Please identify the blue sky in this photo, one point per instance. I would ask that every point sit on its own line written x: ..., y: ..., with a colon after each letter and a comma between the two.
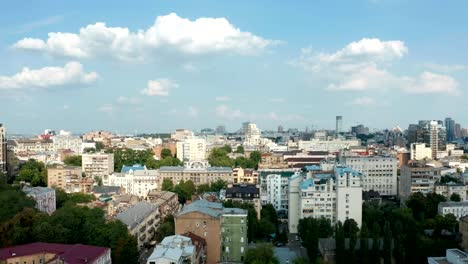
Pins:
x: 161, y: 65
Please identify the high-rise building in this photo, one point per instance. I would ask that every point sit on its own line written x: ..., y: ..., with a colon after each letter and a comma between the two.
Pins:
x: 280, y: 129
x: 252, y: 134
x: 221, y: 130
x: 450, y: 127
x: 3, y: 149
x: 339, y: 124
x: 432, y: 132
x: 191, y: 149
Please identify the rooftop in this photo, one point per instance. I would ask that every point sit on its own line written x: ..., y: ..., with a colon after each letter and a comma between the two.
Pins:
x: 126, y: 169
x: 72, y: 254
x: 453, y: 204
x: 36, y: 190
x: 306, y: 184
x: 203, y: 206
x: 243, y: 188
x: 343, y: 170
x: 136, y: 214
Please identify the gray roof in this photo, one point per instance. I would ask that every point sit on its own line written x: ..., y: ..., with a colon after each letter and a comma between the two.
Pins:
x: 36, y: 190
x: 203, y: 206
x: 182, y: 169
x: 106, y: 189
x: 136, y: 214
x: 234, y: 211
x: 453, y: 204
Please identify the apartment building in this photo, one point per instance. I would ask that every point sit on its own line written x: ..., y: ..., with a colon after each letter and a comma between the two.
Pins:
x: 458, y: 209
x: 3, y: 149
x: 241, y: 175
x: 198, y: 172
x: 68, y: 178
x: 335, y: 195
x: 274, y: 187
x: 379, y: 173
x: 69, y: 142
x: 21, y: 146
x: 167, y: 202
x: 98, y: 164
x: 272, y: 161
x: 55, y: 253
x: 136, y: 179
x: 225, y: 229
x: 417, y: 177
x: 244, y: 193
x: 176, y: 249
x: 191, y: 149
x: 142, y: 219
x: 44, y: 197
x: 331, y: 146
x: 449, y: 188
x: 419, y: 151
x: 463, y: 229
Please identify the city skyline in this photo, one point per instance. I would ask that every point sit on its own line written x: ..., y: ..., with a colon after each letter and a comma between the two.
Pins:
x: 379, y: 63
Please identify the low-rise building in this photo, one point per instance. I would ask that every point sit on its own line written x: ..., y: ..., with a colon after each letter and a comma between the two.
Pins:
x: 68, y: 178
x: 142, y: 219
x: 176, y: 249
x: 245, y: 193
x: 458, y: 209
x: 167, y: 202
x: 225, y: 229
x: 44, y: 197
x: 245, y: 175
x: 452, y: 256
x: 136, y: 179
x: 417, y: 177
x: 72, y: 143
x: 55, y: 253
x: 449, y: 188
x: 198, y: 172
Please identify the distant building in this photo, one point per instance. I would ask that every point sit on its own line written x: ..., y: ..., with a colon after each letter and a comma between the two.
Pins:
x: 98, y: 164
x: 463, y: 229
x: 449, y: 188
x: 142, y: 219
x: 68, y: 178
x: 452, y: 256
x: 458, y: 209
x: 331, y: 146
x: 3, y: 149
x: 136, y: 179
x: 225, y: 229
x: 419, y: 151
x: 198, y: 172
x: 176, y: 249
x: 274, y: 187
x: 245, y: 193
x: 245, y: 175
x: 55, y: 253
x: 252, y: 134
x: 417, y: 177
x: 72, y: 143
x: 360, y: 130
x: 181, y: 134
x: 44, y: 197
x: 221, y: 130
x: 339, y: 124
x: 191, y: 149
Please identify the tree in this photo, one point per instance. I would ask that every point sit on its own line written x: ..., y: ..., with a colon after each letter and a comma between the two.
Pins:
x: 240, y: 149
x: 364, y: 236
x: 99, y: 145
x: 387, y: 243
x: 33, y: 172
x: 375, y: 256
x: 399, y: 250
x: 203, y: 188
x: 12, y: 201
x: 350, y: 226
x: 74, y: 160
x: 167, y: 228
x: 256, y: 156
x: 218, y: 185
x: 227, y: 148
x: 165, y: 152
x: 340, y: 243
x: 167, y: 185
x: 350, y: 230
x: 455, y: 197
x: 261, y: 254
x: 219, y: 158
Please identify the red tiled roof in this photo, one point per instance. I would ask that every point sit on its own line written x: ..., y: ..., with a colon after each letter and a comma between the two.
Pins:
x: 72, y: 254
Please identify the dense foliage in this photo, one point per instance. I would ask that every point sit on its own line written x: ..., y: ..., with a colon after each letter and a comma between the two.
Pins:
x: 129, y: 157
x: 33, y: 172
x: 70, y: 224
x: 74, y: 160
x: 261, y: 254
x: 310, y: 230
x: 219, y: 157
x: 167, y: 228
x: 12, y: 201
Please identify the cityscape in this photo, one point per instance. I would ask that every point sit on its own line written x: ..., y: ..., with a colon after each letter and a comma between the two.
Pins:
x: 208, y: 132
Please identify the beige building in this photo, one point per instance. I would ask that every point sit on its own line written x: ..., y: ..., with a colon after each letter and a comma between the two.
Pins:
x: 98, y: 164
x: 34, y: 145
x: 198, y: 172
x: 69, y: 179
x: 272, y: 161
x: 241, y: 175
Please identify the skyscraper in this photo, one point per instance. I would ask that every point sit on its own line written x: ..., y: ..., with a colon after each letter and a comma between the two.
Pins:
x: 339, y: 124
x: 3, y: 149
x: 450, y: 127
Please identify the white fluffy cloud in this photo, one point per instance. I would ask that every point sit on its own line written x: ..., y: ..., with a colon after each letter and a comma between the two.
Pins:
x: 364, y: 101
x: 71, y: 74
x: 159, y: 87
x: 203, y: 35
x: 364, y: 65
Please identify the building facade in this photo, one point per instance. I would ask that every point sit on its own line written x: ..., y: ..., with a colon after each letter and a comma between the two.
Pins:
x: 458, y: 209
x: 176, y: 249
x: 419, y: 151
x: 245, y: 175
x: 191, y: 149
x: 68, y: 178
x: 198, y: 172
x: 379, y: 173
x: 69, y: 142
x: 98, y: 164
x: 417, y: 177
x: 44, y: 197
x: 233, y: 235
x: 136, y: 179
x: 3, y: 149
x: 245, y: 193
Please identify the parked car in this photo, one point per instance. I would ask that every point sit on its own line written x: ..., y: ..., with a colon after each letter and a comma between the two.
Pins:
x: 279, y: 244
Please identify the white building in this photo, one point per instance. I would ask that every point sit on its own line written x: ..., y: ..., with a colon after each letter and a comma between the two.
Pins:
x: 98, y: 164
x: 252, y: 134
x: 175, y: 249
x: 447, y: 189
x: 274, y: 187
x: 334, y: 145
x: 44, y: 197
x: 458, y: 209
x: 3, y: 149
x: 191, y: 149
x: 136, y: 180
x: 181, y: 134
x: 273, y: 191
x: 452, y: 256
x: 66, y: 141
x: 419, y: 151
x: 379, y: 173
x: 335, y: 195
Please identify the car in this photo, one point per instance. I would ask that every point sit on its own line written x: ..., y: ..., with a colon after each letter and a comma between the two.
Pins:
x: 279, y: 244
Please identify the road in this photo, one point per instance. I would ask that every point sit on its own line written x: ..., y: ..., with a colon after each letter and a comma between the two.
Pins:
x: 291, y: 251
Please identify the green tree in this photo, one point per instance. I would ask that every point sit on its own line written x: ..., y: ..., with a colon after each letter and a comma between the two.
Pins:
x: 387, y: 243
x: 399, y: 250
x: 167, y: 185
x: 218, y: 185
x: 240, y: 149
x: 165, y: 152
x: 364, y: 236
x: 256, y: 156
x: 340, y: 243
x: 455, y: 197
x: 99, y: 146
x: 350, y: 230
x: 227, y: 148
x: 375, y: 256
x: 219, y: 157
x: 167, y: 228
x: 74, y: 160
x: 261, y: 254
x: 12, y: 201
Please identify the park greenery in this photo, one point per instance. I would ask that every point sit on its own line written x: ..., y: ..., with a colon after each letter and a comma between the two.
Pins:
x: 219, y: 157
x: 33, y: 172
x: 167, y: 228
x: 388, y: 234
x: 186, y: 189
x: 74, y: 160
x: 21, y: 223
x: 129, y: 157
x: 261, y: 254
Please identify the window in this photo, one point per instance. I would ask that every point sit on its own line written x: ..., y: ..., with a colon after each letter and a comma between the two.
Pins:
x: 205, y: 234
x: 227, y: 249
x: 242, y: 249
x: 242, y: 240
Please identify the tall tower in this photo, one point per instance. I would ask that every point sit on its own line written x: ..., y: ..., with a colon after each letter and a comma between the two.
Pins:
x: 339, y: 124
x: 3, y: 149
x: 434, y: 138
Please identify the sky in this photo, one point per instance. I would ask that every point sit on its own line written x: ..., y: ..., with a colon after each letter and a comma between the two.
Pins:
x: 154, y: 66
